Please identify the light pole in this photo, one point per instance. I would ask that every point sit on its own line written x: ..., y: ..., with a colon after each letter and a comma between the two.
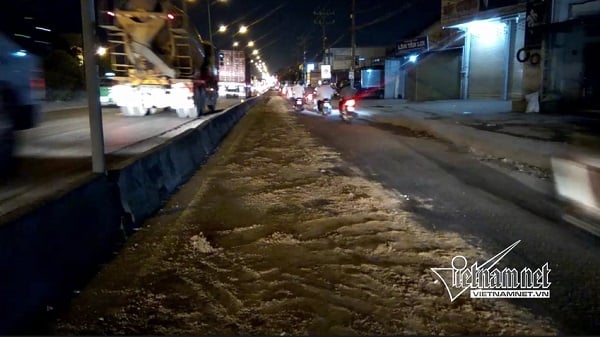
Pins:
x: 92, y: 83
x: 353, y: 17
x: 185, y: 12
x: 209, y: 22
x: 221, y: 28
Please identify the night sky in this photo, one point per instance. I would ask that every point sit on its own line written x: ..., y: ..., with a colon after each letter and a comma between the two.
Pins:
x: 274, y: 25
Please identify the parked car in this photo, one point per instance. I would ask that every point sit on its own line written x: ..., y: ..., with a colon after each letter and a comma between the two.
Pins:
x: 21, y: 87
x: 373, y: 92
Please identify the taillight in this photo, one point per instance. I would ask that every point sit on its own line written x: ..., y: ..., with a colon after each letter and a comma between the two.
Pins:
x: 37, y: 84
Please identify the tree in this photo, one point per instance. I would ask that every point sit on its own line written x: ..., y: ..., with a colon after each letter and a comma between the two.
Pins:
x: 64, y: 76
x: 291, y: 74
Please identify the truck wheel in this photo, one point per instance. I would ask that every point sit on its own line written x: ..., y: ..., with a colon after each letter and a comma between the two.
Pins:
x: 212, y: 103
x: 200, y: 102
x: 7, y: 135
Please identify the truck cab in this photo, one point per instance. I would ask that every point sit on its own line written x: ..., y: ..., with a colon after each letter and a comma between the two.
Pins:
x: 21, y: 88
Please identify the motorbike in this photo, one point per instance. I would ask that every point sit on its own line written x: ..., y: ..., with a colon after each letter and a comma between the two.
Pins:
x: 298, y: 104
x: 348, y: 110
x: 309, y: 99
x: 325, y: 108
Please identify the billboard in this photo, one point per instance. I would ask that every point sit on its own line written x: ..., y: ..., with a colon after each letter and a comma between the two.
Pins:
x: 325, y: 71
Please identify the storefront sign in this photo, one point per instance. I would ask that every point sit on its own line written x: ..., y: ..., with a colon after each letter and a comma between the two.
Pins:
x: 419, y: 44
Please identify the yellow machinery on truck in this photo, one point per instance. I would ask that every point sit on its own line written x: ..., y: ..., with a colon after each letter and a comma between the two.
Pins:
x: 159, y: 59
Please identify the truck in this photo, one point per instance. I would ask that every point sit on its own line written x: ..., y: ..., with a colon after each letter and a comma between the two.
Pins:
x: 159, y: 60
x: 234, y: 76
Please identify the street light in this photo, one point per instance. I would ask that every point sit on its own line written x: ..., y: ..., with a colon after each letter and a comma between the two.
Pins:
x: 101, y: 51
x: 222, y: 29
x: 210, y: 34
x: 243, y: 29
x: 251, y: 44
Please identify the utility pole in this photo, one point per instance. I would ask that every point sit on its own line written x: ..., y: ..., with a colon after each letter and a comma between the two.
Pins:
x: 353, y: 42
x: 210, y: 34
x: 302, y: 41
x: 185, y: 13
x: 322, y: 19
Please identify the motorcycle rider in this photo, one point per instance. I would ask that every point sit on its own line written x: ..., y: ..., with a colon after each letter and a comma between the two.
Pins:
x: 324, y: 91
x: 346, y: 92
x: 298, y: 90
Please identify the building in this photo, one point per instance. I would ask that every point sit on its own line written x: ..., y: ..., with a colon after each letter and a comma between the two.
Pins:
x: 427, y: 67
x: 340, y: 60
x: 470, y: 54
x: 504, y: 49
x: 494, y: 33
x: 571, y: 72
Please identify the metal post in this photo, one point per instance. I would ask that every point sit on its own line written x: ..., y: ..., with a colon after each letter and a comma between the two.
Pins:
x: 93, y: 84
x: 185, y: 13
x: 465, y: 67
x: 507, y: 59
x: 353, y: 42
x: 210, y: 34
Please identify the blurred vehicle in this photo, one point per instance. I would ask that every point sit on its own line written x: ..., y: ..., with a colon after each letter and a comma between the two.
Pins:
x: 161, y: 59
x: 21, y: 87
x: 577, y: 185
x: 106, y: 87
x: 371, y: 83
x: 348, y: 110
x: 325, y: 107
x: 309, y: 95
x: 287, y: 90
x: 298, y: 104
x: 233, y: 74
x: 347, y: 103
x: 232, y: 90
x: 374, y: 92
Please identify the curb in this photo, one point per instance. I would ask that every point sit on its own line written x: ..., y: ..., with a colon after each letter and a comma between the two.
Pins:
x: 531, y: 152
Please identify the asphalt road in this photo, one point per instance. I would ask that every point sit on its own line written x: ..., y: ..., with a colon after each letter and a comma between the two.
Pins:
x: 277, y: 235
x: 54, y: 156
x: 450, y: 190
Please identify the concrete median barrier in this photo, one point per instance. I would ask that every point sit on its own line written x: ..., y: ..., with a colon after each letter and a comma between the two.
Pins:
x: 55, y: 249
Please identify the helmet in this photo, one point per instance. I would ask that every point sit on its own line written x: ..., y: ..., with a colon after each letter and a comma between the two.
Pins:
x: 325, y: 81
x: 344, y: 83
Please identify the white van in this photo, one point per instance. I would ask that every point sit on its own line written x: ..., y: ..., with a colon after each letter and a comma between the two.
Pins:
x: 21, y: 88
